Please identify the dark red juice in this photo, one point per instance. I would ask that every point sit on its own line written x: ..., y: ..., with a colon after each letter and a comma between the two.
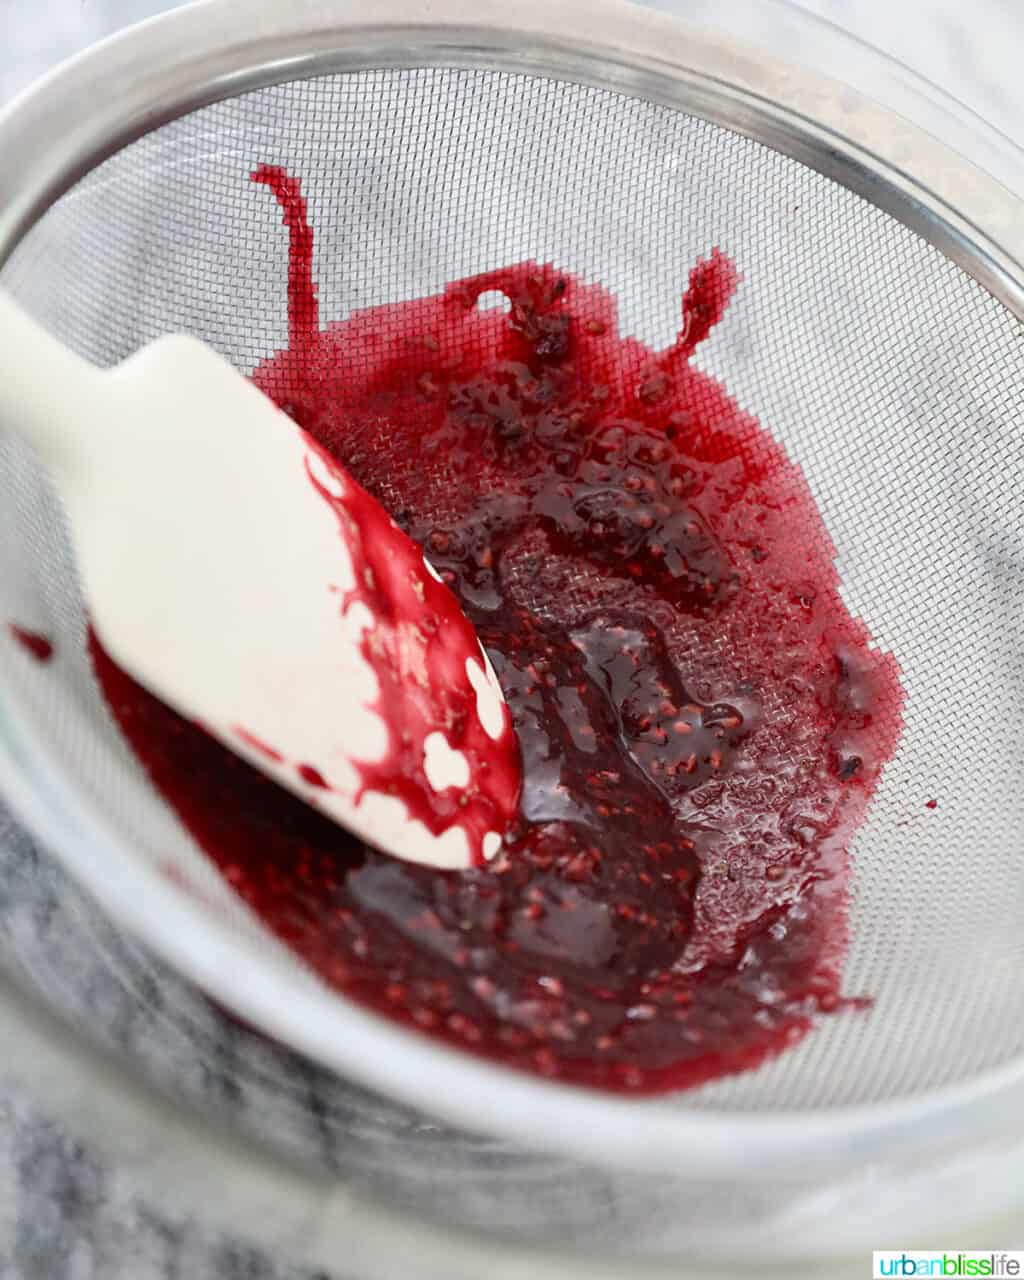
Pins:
x: 34, y: 643
x: 701, y: 721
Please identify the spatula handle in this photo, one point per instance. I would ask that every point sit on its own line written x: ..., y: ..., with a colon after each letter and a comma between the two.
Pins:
x: 48, y: 394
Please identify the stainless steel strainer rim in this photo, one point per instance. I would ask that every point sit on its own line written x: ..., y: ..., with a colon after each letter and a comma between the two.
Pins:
x: 196, y: 56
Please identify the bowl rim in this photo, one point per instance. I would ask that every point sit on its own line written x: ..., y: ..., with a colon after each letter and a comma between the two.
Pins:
x: 96, y: 103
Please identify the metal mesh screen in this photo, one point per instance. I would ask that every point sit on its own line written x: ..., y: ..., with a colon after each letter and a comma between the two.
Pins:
x: 890, y: 375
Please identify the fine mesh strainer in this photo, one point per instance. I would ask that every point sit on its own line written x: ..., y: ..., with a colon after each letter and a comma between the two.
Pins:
x: 876, y: 334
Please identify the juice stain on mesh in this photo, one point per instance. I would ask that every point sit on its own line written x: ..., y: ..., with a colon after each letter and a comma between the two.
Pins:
x: 701, y: 720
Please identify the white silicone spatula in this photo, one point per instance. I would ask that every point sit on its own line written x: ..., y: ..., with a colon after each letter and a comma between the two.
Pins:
x: 240, y: 574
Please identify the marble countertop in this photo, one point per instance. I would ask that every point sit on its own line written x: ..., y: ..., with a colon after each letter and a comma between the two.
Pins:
x: 65, y: 1212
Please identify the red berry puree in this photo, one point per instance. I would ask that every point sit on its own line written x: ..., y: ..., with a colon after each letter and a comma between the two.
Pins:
x: 418, y: 627
x: 35, y: 644
x: 701, y: 721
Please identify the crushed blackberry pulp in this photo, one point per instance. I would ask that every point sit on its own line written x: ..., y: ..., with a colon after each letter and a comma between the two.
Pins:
x: 701, y: 721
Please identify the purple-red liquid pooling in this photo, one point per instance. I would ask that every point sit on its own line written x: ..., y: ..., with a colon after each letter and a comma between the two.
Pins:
x: 701, y: 721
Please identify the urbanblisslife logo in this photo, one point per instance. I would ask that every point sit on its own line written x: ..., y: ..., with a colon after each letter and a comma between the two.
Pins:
x: 947, y: 1262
